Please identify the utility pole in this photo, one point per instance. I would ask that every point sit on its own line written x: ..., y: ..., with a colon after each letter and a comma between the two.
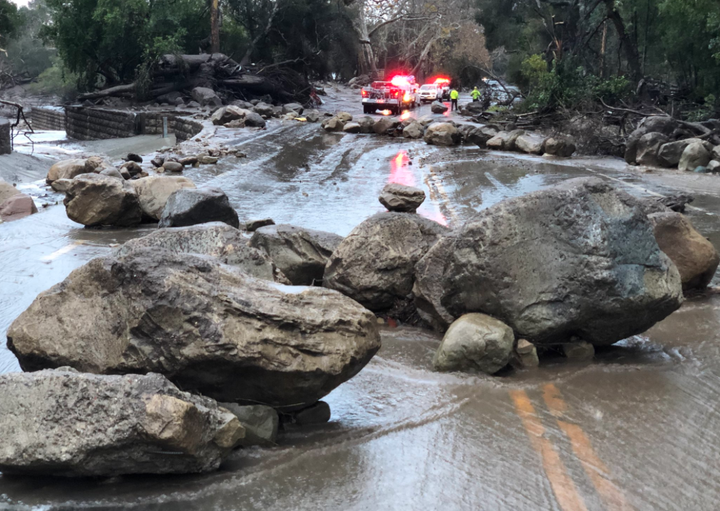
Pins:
x: 214, y: 27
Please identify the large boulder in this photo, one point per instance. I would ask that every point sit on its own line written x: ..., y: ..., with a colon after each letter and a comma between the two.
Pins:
x: 367, y: 124
x: 530, y: 143
x: 498, y: 141
x: 475, y: 342
x: 214, y: 239
x: 375, y: 264
x: 292, y: 107
x: 94, y: 200
x: 67, y: 169
x: 264, y: 109
x: 190, y: 206
x: 669, y: 154
x: 442, y: 134
x: 438, y: 108
x: 154, y: 192
x: 239, y: 117
x: 695, y: 257
x: 575, y: 261
x: 695, y: 155
x: 301, y: 254
x: 401, y: 198
x: 648, y: 148
x: 207, y: 326
x: 206, y: 96
x: 64, y: 423
x: 17, y: 207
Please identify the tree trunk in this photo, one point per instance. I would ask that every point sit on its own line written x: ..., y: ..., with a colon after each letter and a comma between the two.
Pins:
x: 366, y: 59
x: 215, y: 27
x: 628, y: 45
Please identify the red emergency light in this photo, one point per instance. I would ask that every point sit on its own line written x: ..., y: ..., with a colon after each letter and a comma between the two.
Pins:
x: 400, y: 80
x: 441, y: 80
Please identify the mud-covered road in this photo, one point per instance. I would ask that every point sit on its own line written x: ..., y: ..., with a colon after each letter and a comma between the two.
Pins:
x: 637, y: 428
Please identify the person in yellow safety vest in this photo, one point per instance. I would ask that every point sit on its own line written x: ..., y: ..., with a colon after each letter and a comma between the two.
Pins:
x: 475, y: 94
x: 454, y: 95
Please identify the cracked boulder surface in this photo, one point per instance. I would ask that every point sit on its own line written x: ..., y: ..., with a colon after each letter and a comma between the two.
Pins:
x: 207, y: 326
x: 64, y: 423
x: 577, y: 261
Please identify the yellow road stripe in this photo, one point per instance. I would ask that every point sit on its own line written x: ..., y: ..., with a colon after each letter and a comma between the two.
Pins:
x: 594, y: 467
x: 563, y: 487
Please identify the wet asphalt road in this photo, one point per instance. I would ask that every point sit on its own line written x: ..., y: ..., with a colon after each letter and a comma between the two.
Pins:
x: 637, y: 428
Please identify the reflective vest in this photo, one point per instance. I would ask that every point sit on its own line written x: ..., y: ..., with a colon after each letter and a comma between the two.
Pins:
x: 454, y: 94
x: 475, y: 94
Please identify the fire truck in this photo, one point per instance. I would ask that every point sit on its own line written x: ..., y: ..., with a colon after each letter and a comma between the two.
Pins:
x: 400, y: 93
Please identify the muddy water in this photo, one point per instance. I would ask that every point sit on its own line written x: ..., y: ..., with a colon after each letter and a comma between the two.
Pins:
x: 635, y: 429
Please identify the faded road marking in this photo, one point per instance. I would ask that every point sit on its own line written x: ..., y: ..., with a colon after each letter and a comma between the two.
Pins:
x: 67, y: 248
x: 594, y: 467
x: 563, y: 487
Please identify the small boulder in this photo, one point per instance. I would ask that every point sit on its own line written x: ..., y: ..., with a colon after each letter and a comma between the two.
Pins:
x: 438, y: 108
x: 173, y: 166
x: 648, y: 148
x: 442, y: 134
x: 132, y: 167
x: 158, y: 161
x: 695, y: 257
x: 695, y: 155
x: 154, y: 192
x: 189, y: 206
x: 301, y: 254
x: 206, y: 97
x: 94, y: 200
x: 263, y: 109
x: 499, y: 141
x: 525, y: 355
x: 385, y: 125
x: 478, y: 135
x: 62, y: 185
x: 70, y: 424
x: 254, y: 225
x: 7, y: 190
x: 579, y: 350
x: 475, y: 342
x: 113, y: 172
x: 319, y: 413
x: 254, y: 120
x: 530, y: 143
x: 560, y: 146
x: 401, y: 198
x: 713, y: 167
x: 17, y: 207
x: 352, y: 127
x: 333, y: 124
x: 344, y: 116
x: 312, y: 115
x: 292, y: 107
x: 227, y: 114
x: 205, y: 159
x: 134, y: 157
x: 367, y: 124
x: 414, y: 130
x: 67, y: 169
x: 261, y: 423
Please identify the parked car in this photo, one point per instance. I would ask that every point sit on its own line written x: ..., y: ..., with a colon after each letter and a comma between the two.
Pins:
x: 429, y: 93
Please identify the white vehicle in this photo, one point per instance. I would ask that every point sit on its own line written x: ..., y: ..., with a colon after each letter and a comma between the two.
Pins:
x: 429, y: 93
